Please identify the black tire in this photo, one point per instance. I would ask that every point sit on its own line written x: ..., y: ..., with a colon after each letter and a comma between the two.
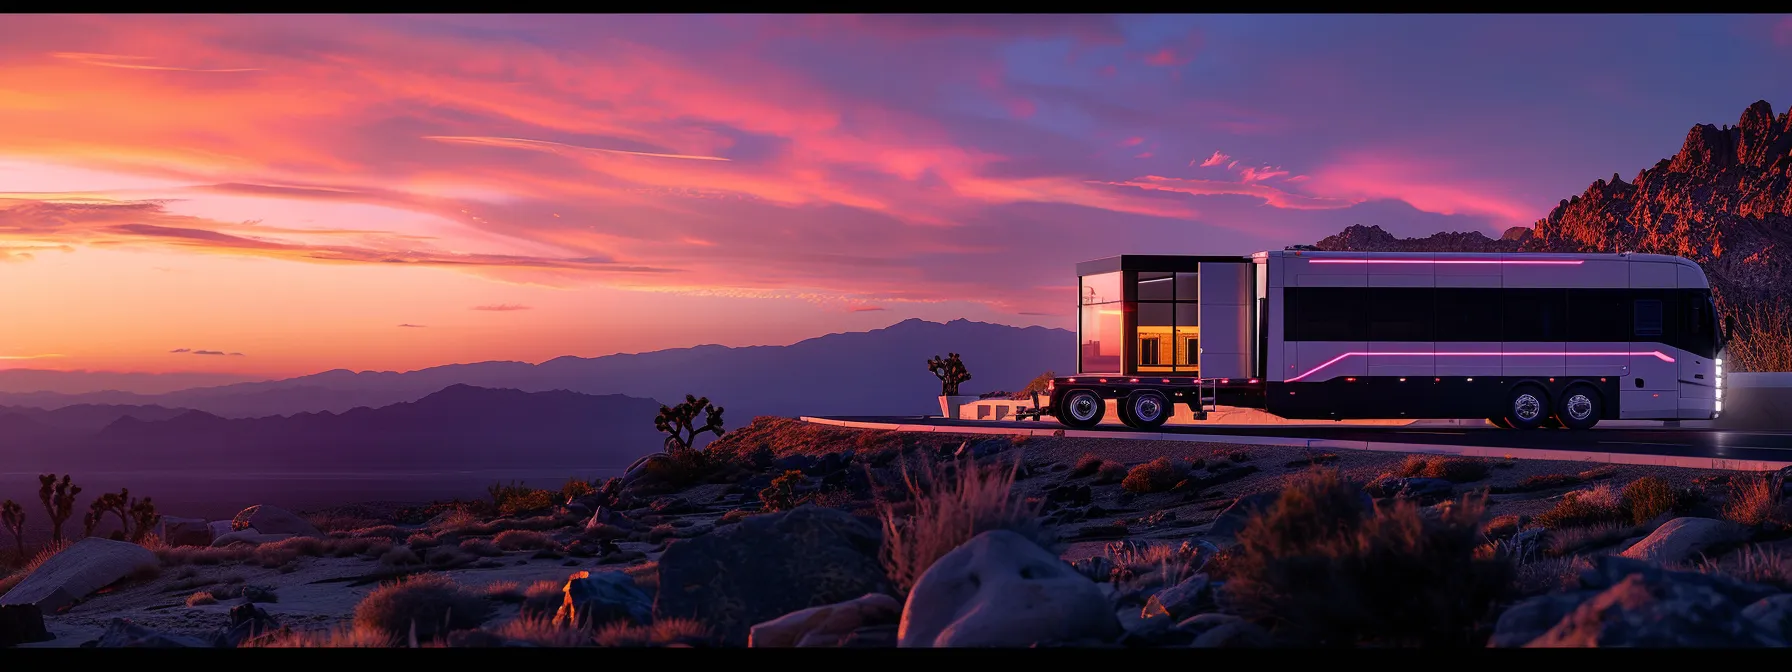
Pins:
x: 1148, y: 409
x: 1579, y: 407
x: 1123, y: 412
x: 1500, y: 422
x: 1080, y: 409
x: 1527, y: 406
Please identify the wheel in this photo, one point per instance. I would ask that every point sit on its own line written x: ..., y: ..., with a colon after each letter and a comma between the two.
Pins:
x: 1579, y: 408
x: 1499, y: 422
x: 1527, y: 407
x: 1149, y: 409
x: 1081, y: 409
x: 1123, y: 411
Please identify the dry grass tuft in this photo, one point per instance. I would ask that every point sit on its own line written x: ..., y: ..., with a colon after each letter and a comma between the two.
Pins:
x: 1550, y: 575
x: 1452, y: 469
x: 422, y: 540
x: 327, y: 523
x: 433, y: 603
x: 1325, y: 568
x: 1763, y: 340
x: 522, y: 540
x: 481, y: 547
x: 400, y: 556
x: 201, y: 598
x: 49, y: 550
x: 1597, y: 505
x: 977, y: 501
x: 660, y: 633
x: 350, y: 637
x: 1159, y: 475
x: 543, y: 597
x: 392, y: 532
x: 541, y: 630
x: 1086, y: 465
x: 1110, y: 472
x: 504, y: 591
x: 646, y: 576
x: 1754, y: 565
x: 1566, y: 541
x: 1752, y: 502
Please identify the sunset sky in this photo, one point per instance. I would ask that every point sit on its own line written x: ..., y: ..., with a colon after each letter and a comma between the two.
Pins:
x: 279, y: 195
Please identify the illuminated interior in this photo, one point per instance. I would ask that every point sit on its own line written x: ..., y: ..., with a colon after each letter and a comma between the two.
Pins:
x: 1167, y: 332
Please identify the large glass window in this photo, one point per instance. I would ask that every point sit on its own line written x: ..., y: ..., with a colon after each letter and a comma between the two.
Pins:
x: 1188, y: 336
x: 1101, y: 288
x: 1101, y: 331
x: 1326, y: 314
x: 1698, y: 323
x: 1532, y: 315
x: 1167, y: 324
x: 1598, y: 315
x: 1400, y: 314
x: 1157, y: 332
x: 1467, y: 314
x: 1157, y: 286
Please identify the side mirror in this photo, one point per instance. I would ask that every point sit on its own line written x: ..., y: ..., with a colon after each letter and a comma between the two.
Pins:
x: 1723, y: 338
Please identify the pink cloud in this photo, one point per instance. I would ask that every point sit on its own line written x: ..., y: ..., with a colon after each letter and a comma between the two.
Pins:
x: 1271, y: 196
x: 1142, y: 155
x: 1297, y: 178
x: 1217, y: 159
x: 1132, y: 142
x: 1428, y: 185
x: 1782, y: 32
x: 1260, y: 174
x: 1167, y: 57
x: 1231, y: 165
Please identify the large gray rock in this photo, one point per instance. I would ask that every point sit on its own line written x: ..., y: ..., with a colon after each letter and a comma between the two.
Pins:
x: 122, y: 633
x: 1658, y: 611
x: 84, y: 567
x: 767, y: 566
x: 1002, y: 590
x: 1683, y: 539
x: 829, y: 625
x: 1180, y: 601
x: 274, y: 520
x: 601, y: 598
x: 184, y: 531
x: 1524, y: 622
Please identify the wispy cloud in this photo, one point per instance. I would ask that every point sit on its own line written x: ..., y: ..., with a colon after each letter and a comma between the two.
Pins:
x: 501, y: 307
x: 1271, y: 196
x: 556, y: 147
x: 412, y: 326
x: 13, y: 357
x: 867, y: 309
x: 136, y: 63
x: 1217, y: 159
x: 191, y: 351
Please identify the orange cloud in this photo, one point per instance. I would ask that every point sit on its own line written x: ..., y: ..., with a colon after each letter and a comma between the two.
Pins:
x: 501, y: 307
x: 134, y: 63
x: 542, y: 145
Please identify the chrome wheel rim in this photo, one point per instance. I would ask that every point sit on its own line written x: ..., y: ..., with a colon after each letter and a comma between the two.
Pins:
x: 1082, y: 407
x: 1580, y: 407
x: 1526, y: 407
x: 1147, y: 409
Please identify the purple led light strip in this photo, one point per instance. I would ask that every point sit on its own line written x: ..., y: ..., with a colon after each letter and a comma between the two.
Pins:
x: 1653, y: 353
x: 1531, y: 262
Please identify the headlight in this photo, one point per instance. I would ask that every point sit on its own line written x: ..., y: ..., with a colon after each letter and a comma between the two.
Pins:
x: 1720, y: 370
x: 1719, y: 408
x: 1720, y: 393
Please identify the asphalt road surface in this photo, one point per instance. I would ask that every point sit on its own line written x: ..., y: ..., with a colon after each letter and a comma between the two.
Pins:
x: 1689, y: 442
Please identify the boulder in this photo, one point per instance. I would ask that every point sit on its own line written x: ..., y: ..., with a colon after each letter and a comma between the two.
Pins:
x: 247, y: 622
x: 1002, y: 590
x: 827, y: 625
x: 597, y: 599
x: 1180, y: 601
x: 274, y: 520
x: 184, y: 531
x: 219, y: 528
x: 22, y: 624
x: 1683, y: 539
x: 1525, y: 621
x: 248, y: 537
x: 1239, y: 634
x: 1233, y: 518
x: 1773, y: 613
x: 1424, y: 491
x: 1609, y: 570
x: 124, y: 634
x: 767, y: 566
x: 84, y: 567
x: 1658, y: 611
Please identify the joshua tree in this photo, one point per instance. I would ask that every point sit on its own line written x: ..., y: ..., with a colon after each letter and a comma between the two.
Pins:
x: 143, y: 518
x: 58, y: 498
x: 680, y: 422
x: 950, y: 371
x: 116, y: 503
x: 13, y: 516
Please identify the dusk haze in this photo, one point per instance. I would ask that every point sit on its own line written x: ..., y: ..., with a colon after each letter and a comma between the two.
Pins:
x: 875, y: 331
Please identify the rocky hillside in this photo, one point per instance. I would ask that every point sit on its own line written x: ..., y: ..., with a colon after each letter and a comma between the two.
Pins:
x: 1724, y: 201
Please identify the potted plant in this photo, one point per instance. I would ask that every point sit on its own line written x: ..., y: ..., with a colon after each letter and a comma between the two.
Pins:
x: 951, y: 373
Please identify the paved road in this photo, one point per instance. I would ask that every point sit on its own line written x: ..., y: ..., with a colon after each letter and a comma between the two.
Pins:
x: 1689, y: 442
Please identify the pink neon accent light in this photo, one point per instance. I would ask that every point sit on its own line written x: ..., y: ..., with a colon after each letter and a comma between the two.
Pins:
x: 1655, y: 353
x: 1530, y: 262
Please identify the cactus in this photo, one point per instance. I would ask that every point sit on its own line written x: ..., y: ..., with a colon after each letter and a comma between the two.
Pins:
x: 143, y: 518
x: 58, y: 498
x: 950, y: 371
x: 13, y: 516
x: 680, y: 422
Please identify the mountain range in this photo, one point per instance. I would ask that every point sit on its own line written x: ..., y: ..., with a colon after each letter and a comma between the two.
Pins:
x: 881, y: 371
x: 459, y: 427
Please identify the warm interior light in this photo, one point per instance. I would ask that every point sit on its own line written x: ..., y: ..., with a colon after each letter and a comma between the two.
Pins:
x: 1402, y: 380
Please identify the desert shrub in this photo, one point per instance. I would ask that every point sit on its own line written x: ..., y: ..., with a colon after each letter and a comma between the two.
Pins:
x: 400, y: 557
x: 661, y: 533
x: 1752, y: 502
x: 1544, y: 482
x: 1763, y: 338
x: 1086, y: 465
x: 1159, y: 475
x: 422, y: 540
x: 333, y: 522
x: 659, y: 633
x: 1566, y: 541
x: 448, y: 557
x: 1110, y: 472
x: 646, y: 575
x: 781, y: 494
x: 522, y: 540
x: 1452, y: 469
x: 1238, y: 456
x: 1139, y: 566
x: 1550, y: 575
x: 392, y: 532
x: 541, y: 630
x: 516, y: 498
x: 682, y: 467
x: 1504, y: 526
x: 1583, y: 508
x: 952, y: 512
x: 576, y: 488
x: 1650, y: 496
x: 1754, y: 564
x: 431, y: 603
x: 201, y: 598
x: 1324, y: 568
x: 481, y: 547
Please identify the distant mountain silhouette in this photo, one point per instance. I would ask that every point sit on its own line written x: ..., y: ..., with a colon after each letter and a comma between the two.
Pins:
x: 82, y: 382
x: 881, y: 371
x: 460, y: 427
